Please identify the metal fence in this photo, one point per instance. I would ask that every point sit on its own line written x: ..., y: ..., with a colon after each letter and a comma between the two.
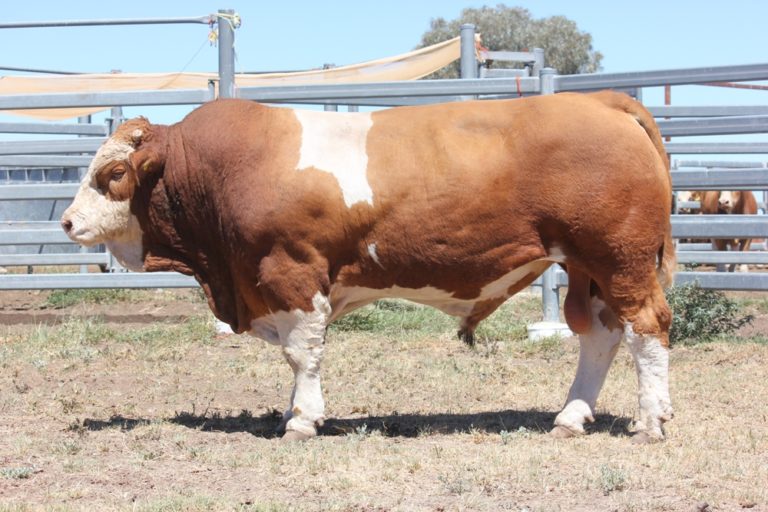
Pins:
x: 673, y: 122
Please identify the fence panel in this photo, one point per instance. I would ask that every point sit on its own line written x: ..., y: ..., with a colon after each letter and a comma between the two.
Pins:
x: 705, y: 121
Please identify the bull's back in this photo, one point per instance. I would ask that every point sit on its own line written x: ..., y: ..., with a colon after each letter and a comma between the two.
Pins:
x: 566, y: 160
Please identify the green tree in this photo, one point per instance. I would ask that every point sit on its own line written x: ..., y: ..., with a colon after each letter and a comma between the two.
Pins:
x: 566, y: 48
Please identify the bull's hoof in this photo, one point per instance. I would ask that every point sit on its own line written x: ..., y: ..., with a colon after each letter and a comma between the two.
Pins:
x: 643, y: 437
x: 292, y: 436
x: 467, y: 336
x: 561, y: 432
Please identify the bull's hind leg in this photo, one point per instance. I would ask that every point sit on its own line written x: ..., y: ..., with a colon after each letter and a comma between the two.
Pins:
x: 651, y: 355
x: 598, y: 347
x: 302, y: 335
x: 646, y: 330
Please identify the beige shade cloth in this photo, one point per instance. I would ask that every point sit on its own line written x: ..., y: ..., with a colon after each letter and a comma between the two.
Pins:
x: 407, y: 66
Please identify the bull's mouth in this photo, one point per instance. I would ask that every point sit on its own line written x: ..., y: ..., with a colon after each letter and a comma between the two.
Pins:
x: 80, y: 235
x: 84, y: 237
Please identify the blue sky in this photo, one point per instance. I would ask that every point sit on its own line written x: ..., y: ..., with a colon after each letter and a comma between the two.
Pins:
x: 633, y: 36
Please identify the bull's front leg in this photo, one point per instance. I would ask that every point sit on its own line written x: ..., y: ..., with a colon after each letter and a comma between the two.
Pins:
x: 302, y: 336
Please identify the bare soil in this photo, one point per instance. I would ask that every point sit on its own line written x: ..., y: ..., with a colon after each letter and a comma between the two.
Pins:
x: 418, y: 422
x: 30, y: 307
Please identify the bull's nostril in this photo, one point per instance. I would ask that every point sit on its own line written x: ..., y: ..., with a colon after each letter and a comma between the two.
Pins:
x: 66, y: 225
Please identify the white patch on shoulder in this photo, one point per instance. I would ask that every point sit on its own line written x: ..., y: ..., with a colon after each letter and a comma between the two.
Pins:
x: 336, y: 143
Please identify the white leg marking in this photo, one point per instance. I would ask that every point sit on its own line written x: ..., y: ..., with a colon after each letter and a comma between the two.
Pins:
x: 302, y: 335
x: 597, y: 350
x: 336, y: 143
x: 652, y: 365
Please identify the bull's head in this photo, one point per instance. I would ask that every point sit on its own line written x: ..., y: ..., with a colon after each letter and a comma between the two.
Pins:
x: 727, y: 201
x: 101, y: 210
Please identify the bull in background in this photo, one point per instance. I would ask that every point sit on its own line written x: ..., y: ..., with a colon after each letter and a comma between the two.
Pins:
x: 729, y: 203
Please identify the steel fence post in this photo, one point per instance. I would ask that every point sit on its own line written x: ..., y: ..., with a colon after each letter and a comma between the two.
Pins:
x: 116, y: 119
x: 81, y: 171
x: 226, y: 41
x: 550, y: 296
x: 538, y: 64
x: 468, y: 53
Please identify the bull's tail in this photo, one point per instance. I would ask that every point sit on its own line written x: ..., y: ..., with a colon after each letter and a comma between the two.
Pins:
x: 665, y: 271
x: 667, y: 258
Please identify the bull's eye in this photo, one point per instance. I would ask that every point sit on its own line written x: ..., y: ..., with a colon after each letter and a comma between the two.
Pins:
x: 114, y: 180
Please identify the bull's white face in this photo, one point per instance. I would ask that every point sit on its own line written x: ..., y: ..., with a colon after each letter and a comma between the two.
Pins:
x: 728, y: 200
x: 100, y: 213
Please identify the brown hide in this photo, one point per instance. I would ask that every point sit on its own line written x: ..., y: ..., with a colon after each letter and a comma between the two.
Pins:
x: 463, y: 193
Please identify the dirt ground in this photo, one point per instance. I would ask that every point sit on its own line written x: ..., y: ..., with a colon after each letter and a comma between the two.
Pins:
x: 140, y: 406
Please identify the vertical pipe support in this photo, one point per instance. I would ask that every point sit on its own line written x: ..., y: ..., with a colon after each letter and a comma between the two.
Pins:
x: 550, y: 295
x: 226, y: 25
x: 81, y: 171
x: 468, y: 67
x: 115, y: 119
x: 538, y: 63
x: 469, y: 64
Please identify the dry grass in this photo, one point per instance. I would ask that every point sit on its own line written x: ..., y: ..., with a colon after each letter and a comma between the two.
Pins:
x: 166, y: 417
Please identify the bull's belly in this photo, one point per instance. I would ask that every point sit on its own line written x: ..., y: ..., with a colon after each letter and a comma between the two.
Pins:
x: 345, y: 299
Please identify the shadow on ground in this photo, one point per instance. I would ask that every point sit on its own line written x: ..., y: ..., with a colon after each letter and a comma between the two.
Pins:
x: 396, y: 425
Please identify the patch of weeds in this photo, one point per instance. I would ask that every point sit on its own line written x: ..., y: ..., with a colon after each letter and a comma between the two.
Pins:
x: 18, y: 473
x: 700, y: 315
x: 68, y: 447
x: 612, y: 479
x: 169, y: 341
x: 394, y: 315
x: 149, y: 432
x: 69, y: 405
x: 425, y: 430
x: 509, y: 322
x: 552, y: 347
x: 65, y: 298
x: 262, y: 507
x: 455, y: 484
x: 759, y: 305
x: 360, y: 433
x: 507, y: 436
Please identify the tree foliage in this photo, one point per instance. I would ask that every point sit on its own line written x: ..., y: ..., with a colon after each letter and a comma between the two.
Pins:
x: 566, y: 48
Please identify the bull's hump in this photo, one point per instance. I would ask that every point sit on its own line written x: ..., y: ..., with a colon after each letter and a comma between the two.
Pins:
x: 336, y: 144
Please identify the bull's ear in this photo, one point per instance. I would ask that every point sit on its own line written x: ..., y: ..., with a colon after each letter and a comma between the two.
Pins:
x: 149, y: 156
x: 146, y: 160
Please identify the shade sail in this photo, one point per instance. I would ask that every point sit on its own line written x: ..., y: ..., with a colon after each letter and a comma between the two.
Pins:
x: 407, y: 66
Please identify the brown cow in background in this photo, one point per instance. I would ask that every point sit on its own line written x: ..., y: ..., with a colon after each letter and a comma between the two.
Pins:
x: 738, y: 203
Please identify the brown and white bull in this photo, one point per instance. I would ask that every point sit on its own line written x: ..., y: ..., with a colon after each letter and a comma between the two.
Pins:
x: 715, y: 202
x: 289, y: 219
